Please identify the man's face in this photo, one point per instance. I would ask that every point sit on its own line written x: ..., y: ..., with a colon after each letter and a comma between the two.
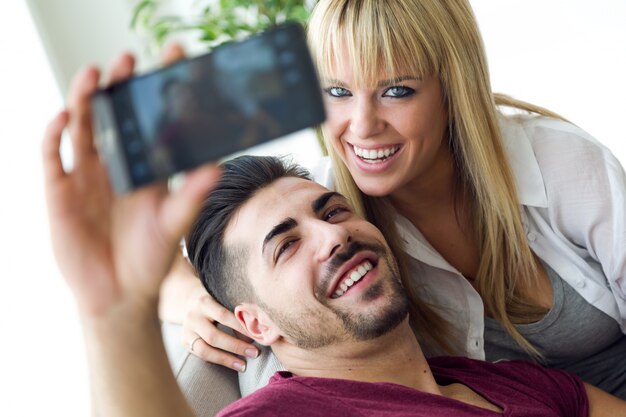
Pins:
x: 321, y: 273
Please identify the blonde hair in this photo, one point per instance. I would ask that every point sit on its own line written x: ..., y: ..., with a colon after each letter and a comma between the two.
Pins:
x: 441, y: 38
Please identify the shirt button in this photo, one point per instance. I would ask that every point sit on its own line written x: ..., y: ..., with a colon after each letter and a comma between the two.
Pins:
x: 581, y: 283
x: 531, y: 236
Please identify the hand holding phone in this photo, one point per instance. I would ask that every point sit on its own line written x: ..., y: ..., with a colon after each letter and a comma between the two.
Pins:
x: 205, y: 108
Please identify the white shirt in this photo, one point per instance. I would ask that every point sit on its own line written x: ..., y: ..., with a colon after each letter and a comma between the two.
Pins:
x: 572, y: 192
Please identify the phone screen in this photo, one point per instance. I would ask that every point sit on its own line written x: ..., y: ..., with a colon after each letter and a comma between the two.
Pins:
x: 208, y: 107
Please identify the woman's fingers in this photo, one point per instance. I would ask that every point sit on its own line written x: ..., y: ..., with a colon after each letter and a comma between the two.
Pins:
x: 214, y: 311
x: 84, y: 84
x: 202, y: 321
x: 216, y: 346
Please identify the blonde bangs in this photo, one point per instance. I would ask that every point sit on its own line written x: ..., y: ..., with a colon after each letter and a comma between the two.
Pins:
x: 369, y: 37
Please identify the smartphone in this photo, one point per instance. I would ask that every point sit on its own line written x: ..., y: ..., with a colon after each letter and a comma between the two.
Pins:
x: 203, y: 109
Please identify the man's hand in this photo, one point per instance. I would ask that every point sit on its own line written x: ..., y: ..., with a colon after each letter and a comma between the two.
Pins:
x: 111, y: 249
x: 114, y: 252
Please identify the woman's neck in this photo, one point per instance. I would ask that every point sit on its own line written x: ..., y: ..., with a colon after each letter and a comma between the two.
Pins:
x: 431, y: 192
x: 438, y: 206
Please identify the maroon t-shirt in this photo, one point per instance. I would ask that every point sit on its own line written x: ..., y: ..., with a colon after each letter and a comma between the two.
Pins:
x: 518, y: 388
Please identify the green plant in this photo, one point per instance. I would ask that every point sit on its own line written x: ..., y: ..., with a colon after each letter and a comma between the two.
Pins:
x: 215, y: 21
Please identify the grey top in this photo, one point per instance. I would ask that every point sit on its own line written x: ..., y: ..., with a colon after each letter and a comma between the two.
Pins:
x: 584, y: 340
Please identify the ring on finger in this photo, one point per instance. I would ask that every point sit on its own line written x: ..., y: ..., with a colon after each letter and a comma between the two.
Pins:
x: 192, y: 343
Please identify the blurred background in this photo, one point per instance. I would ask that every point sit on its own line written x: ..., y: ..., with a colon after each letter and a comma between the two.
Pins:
x: 566, y: 55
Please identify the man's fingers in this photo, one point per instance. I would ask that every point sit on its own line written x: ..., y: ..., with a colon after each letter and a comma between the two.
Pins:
x: 121, y: 69
x: 83, y: 86
x: 172, y: 53
x: 181, y: 207
x: 51, y: 159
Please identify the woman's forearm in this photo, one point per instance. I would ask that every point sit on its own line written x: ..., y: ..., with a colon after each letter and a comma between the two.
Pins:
x: 179, y: 286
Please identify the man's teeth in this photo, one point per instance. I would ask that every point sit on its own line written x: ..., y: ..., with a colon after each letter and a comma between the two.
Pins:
x: 375, y: 155
x: 353, y: 277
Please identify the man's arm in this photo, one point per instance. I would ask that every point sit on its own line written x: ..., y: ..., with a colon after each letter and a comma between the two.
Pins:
x: 114, y: 251
x: 602, y: 404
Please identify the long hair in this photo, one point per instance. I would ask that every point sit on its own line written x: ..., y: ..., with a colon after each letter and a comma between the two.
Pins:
x: 440, y: 38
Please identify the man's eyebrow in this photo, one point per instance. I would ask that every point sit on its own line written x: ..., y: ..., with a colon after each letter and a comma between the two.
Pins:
x: 282, y: 227
x: 321, y: 201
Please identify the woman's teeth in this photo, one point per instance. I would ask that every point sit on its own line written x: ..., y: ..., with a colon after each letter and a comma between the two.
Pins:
x: 354, y: 276
x: 375, y: 155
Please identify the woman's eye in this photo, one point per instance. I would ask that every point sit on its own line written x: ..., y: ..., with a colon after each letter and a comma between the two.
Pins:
x: 398, y: 92
x: 337, y: 92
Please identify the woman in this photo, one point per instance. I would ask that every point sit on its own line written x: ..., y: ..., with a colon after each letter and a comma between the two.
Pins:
x: 416, y: 135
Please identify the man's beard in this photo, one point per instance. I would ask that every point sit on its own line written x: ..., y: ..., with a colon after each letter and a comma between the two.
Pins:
x: 307, y: 330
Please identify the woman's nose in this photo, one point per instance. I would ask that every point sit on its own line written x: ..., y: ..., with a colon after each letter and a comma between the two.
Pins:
x: 365, y: 119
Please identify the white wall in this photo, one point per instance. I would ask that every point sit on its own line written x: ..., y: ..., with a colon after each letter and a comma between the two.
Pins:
x: 42, y: 369
x: 79, y: 32
x: 569, y: 55
x: 566, y: 55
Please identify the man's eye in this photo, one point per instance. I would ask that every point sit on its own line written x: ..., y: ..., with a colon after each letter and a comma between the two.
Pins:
x: 334, y: 212
x: 398, y: 92
x: 337, y: 92
x: 283, y: 247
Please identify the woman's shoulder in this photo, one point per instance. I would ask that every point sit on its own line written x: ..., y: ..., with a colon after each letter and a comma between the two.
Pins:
x: 542, y: 129
x: 562, y: 150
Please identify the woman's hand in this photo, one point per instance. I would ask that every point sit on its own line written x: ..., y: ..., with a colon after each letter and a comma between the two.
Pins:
x: 206, y: 340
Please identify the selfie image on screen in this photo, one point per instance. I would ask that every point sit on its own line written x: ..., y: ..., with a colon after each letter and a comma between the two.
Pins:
x: 207, y: 108
x: 188, y: 113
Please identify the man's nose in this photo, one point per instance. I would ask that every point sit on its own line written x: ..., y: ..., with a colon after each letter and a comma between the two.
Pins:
x: 330, y: 239
x: 366, y: 121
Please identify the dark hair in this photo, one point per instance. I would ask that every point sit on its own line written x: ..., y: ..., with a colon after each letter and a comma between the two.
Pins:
x: 221, y: 269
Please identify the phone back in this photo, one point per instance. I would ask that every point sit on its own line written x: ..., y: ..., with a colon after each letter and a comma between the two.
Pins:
x: 205, y: 108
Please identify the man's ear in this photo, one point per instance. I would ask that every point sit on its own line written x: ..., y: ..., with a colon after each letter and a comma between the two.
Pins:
x: 257, y: 324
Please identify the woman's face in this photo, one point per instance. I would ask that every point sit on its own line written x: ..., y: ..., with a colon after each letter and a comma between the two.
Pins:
x: 389, y: 135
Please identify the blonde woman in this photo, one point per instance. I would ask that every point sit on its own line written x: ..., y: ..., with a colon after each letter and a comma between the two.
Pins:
x: 514, y: 226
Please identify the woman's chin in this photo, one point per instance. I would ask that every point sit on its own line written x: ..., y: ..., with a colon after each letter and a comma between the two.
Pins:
x: 374, y: 187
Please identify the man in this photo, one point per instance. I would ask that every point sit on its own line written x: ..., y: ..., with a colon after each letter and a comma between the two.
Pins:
x: 312, y: 280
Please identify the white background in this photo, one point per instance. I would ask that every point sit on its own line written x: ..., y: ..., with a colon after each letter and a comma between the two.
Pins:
x: 567, y: 55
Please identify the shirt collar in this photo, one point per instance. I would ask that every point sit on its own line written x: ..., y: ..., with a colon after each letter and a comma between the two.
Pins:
x: 528, y: 179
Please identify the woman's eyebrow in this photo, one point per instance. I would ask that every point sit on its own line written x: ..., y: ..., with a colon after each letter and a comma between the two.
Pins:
x: 397, y: 80
x: 383, y: 83
x: 334, y: 82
